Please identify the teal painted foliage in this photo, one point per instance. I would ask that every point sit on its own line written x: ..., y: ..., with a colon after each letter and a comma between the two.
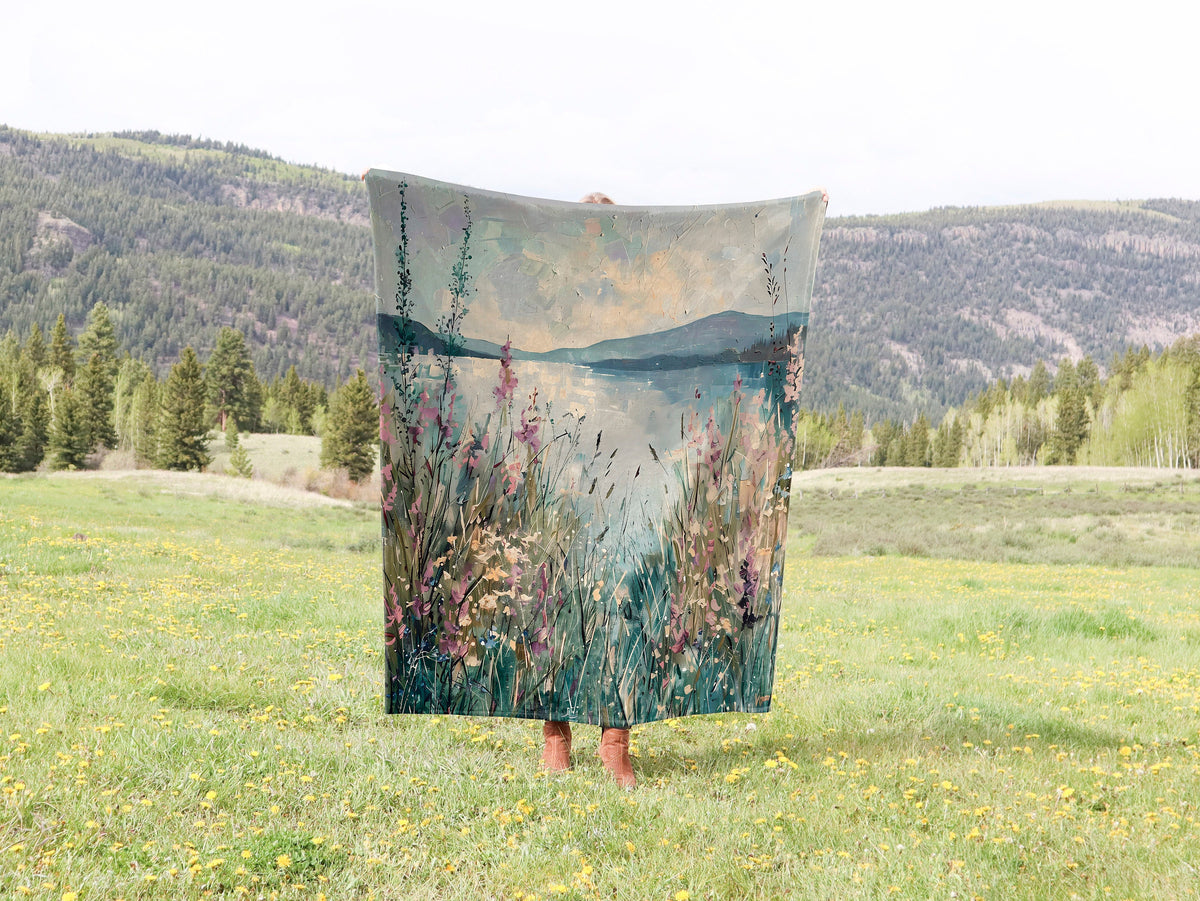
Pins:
x: 586, y: 434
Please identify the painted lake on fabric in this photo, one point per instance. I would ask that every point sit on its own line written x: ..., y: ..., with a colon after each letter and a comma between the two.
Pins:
x: 619, y: 416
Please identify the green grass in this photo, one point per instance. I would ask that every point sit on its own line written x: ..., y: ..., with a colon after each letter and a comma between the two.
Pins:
x: 275, y: 457
x: 1064, y: 515
x: 291, y: 460
x: 190, y: 703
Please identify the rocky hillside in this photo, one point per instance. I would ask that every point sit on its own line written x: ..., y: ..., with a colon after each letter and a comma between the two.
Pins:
x: 911, y: 313
x: 923, y: 308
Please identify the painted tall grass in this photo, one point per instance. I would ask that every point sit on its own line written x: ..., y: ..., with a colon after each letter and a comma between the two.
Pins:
x: 513, y: 582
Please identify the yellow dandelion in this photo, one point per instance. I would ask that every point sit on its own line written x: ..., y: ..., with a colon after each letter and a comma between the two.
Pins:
x: 283, y: 861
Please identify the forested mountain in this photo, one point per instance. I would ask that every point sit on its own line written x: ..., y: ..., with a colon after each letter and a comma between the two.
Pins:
x: 912, y: 313
x: 182, y: 237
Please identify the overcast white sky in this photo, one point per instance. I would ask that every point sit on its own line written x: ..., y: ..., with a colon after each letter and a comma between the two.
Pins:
x: 888, y: 106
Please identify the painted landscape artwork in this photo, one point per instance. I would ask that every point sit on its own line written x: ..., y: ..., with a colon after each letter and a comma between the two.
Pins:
x: 587, y: 425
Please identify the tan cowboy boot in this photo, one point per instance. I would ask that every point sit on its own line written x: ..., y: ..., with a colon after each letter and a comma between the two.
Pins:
x: 614, y: 754
x: 556, y: 756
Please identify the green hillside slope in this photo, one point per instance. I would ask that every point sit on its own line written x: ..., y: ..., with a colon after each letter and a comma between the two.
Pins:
x: 181, y: 238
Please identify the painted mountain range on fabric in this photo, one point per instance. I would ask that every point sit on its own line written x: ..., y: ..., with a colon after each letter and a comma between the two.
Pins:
x: 728, y: 337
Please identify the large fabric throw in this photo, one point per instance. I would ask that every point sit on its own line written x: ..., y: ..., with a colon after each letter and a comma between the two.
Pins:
x: 587, y: 425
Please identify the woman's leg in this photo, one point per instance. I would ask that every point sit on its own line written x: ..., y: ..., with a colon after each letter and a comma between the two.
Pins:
x: 614, y: 754
x: 556, y: 755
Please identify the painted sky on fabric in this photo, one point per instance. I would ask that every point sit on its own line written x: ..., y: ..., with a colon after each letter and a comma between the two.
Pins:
x: 551, y: 274
x: 888, y: 106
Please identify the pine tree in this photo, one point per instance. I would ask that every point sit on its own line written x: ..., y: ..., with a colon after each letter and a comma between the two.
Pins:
x: 10, y: 430
x: 958, y: 437
x: 130, y: 376
x: 352, y: 429
x: 22, y: 409
x: 182, y: 431
x: 1087, y: 374
x: 232, y: 388
x: 896, y: 453
x: 1038, y: 386
x: 944, y: 455
x: 883, y: 433
x: 855, y: 436
x: 239, y: 460
x: 35, y: 432
x: 68, y: 442
x: 143, y: 421
x: 298, y: 403
x: 1071, y: 424
x: 36, y: 351
x: 231, y: 434
x: 916, y: 450
x: 62, y: 350
x: 99, y: 338
x: 94, y: 387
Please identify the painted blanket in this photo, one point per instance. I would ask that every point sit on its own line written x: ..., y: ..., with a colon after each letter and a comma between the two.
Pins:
x: 587, y: 425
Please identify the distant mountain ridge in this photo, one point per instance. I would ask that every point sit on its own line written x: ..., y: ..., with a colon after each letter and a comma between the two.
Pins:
x: 911, y: 312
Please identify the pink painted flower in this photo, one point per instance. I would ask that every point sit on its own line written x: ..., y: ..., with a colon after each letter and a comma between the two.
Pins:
x: 513, y: 577
x: 512, y: 478
x: 530, y: 424
x: 445, y: 420
x: 425, y: 412
x: 508, y: 378
x: 452, y: 645
x: 681, y: 640
x: 395, y: 619
x: 714, y: 443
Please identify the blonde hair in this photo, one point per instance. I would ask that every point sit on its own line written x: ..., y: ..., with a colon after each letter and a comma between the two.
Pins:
x: 597, y: 197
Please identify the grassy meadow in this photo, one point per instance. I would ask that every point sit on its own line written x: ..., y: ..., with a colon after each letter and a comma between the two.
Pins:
x: 988, y: 687
x: 275, y: 457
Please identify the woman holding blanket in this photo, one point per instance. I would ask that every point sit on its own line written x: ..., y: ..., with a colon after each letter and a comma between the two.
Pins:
x: 614, y: 743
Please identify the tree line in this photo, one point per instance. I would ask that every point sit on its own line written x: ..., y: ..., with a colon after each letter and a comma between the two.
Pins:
x: 1146, y: 412
x: 67, y: 400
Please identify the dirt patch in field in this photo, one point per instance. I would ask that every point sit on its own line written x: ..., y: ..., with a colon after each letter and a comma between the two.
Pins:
x: 203, y: 484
